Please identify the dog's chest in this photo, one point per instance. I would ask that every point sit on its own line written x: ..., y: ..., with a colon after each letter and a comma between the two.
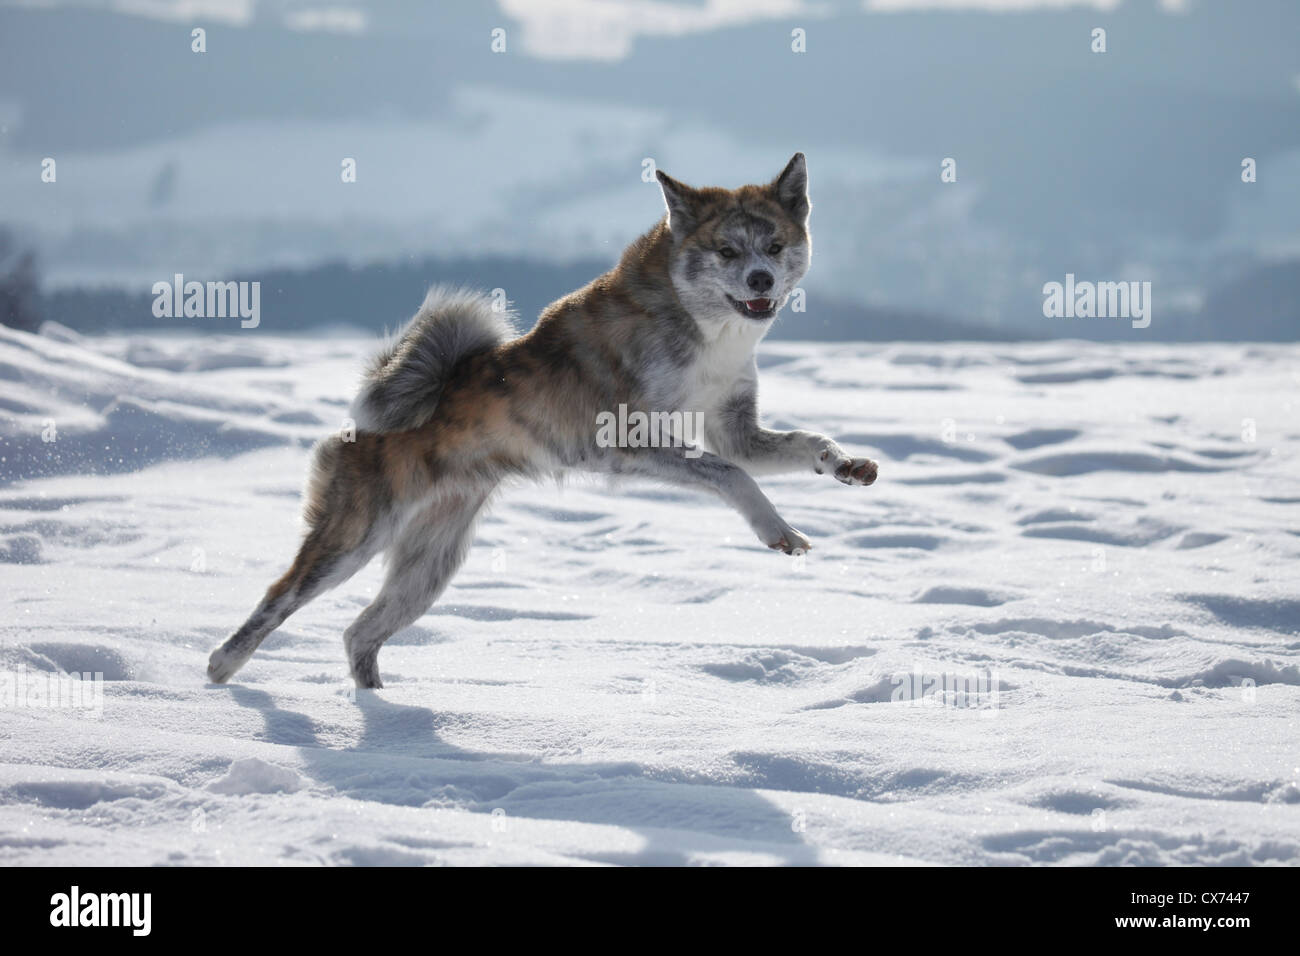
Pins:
x: 712, y: 377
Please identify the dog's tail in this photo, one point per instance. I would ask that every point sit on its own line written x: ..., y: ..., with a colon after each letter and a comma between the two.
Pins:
x: 403, y: 383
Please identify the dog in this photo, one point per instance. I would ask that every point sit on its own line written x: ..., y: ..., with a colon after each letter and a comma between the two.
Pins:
x: 459, y: 403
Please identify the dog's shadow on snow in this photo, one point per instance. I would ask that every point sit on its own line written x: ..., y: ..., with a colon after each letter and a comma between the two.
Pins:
x: 402, y: 759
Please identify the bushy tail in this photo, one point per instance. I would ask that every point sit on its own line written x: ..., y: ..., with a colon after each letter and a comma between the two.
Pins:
x: 403, y: 382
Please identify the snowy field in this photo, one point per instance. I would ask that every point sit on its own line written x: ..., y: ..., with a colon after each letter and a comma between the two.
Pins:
x: 1095, y: 546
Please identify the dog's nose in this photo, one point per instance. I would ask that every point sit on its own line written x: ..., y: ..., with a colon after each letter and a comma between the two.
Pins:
x: 760, y: 280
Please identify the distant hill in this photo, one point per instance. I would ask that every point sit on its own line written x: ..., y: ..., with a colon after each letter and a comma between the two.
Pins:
x: 1260, y: 305
x: 1103, y: 165
x: 383, y: 296
x: 1263, y: 305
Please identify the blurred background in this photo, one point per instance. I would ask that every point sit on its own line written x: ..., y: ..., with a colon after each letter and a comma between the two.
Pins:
x: 503, y: 145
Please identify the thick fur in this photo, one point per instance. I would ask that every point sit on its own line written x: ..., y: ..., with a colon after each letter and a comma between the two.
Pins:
x: 403, y: 382
x: 457, y: 404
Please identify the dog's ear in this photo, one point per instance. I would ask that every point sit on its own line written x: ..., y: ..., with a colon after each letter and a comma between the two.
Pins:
x: 681, y: 201
x: 791, y: 187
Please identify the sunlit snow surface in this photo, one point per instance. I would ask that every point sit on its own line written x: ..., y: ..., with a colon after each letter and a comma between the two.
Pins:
x: 1099, y: 542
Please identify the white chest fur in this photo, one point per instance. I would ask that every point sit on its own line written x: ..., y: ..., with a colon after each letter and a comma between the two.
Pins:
x: 726, y: 360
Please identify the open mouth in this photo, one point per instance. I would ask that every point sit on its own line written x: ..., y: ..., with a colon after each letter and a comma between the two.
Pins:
x: 754, y: 308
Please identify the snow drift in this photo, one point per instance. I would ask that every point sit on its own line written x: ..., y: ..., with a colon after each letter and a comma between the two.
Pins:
x: 1060, y: 629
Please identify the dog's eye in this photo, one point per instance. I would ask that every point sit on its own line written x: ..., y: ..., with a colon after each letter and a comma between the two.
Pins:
x: 774, y: 248
x: 727, y: 252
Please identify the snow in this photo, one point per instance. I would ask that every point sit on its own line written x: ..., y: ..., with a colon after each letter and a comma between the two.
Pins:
x: 1095, y: 546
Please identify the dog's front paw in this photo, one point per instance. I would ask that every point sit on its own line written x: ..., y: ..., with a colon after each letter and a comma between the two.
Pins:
x: 852, y: 471
x: 856, y: 471
x: 790, y: 541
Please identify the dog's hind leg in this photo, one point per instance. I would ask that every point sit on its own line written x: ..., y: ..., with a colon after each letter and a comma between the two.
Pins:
x: 323, y: 562
x: 427, y: 553
x: 350, y: 519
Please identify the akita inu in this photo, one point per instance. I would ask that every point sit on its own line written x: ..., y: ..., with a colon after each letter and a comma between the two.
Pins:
x: 459, y: 402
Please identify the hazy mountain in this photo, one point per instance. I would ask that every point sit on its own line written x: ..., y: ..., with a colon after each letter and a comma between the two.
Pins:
x: 381, y: 297
x: 1122, y: 165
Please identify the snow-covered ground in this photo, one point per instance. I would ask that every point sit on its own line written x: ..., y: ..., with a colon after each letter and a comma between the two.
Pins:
x: 1097, y: 545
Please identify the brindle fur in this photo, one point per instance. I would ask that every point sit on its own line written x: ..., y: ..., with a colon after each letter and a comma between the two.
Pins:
x: 458, y: 403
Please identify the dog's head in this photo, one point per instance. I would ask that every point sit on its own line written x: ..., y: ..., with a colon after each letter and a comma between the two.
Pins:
x: 739, y: 253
